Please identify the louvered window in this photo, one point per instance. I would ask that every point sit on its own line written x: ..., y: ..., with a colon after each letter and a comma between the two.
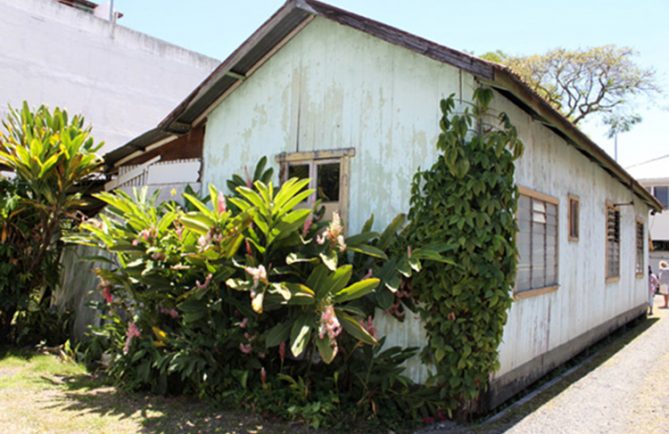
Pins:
x: 639, y: 248
x: 537, y: 242
x: 612, y: 242
x: 574, y: 210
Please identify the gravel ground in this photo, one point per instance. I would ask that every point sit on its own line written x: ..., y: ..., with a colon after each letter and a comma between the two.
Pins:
x: 628, y: 393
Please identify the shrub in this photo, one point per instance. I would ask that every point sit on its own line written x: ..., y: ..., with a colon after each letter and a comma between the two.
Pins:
x: 52, y: 157
x: 250, y: 299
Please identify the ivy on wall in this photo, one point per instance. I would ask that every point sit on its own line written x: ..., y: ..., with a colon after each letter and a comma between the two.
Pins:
x: 467, y: 200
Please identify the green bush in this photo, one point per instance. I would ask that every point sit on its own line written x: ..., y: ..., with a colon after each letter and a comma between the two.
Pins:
x: 252, y: 300
x: 53, y: 158
x: 467, y: 199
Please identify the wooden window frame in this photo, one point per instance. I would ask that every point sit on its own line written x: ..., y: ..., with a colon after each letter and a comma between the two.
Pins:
x: 639, y: 272
x: 312, y: 158
x: 534, y: 292
x: 571, y: 198
x: 613, y: 278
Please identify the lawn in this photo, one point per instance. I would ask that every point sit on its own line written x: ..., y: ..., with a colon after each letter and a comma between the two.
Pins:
x: 41, y: 393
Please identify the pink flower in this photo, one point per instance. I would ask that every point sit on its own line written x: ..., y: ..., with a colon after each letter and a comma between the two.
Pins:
x: 368, y: 275
x: 333, y: 234
x: 259, y: 274
x: 203, y: 242
x: 329, y: 324
x: 307, y: 225
x: 245, y: 348
x: 106, y: 287
x: 147, y: 234
x: 220, y: 203
x: 172, y: 313
x: 244, y: 323
x: 206, y: 283
x: 263, y: 376
x: 369, y: 326
x: 158, y: 256
x: 178, y: 229
x: 282, y: 351
x: 131, y: 333
x: 107, y: 295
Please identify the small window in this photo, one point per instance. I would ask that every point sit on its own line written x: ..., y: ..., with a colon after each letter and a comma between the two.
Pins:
x: 612, y: 242
x: 537, y: 242
x: 326, y: 170
x: 661, y: 193
x: 327, y: 181
x: 574, y: 210
x: 640, y: 235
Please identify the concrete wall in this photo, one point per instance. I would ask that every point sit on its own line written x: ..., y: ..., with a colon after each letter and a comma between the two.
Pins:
x: 333, y: 87
x: 124, y: 83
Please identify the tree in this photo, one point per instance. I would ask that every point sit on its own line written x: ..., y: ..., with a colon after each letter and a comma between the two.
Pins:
x: 585, y: 82
x: 51, y: 157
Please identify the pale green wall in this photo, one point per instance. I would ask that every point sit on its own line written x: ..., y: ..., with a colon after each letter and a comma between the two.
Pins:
x: 324, y: 90
x: 334, y: 87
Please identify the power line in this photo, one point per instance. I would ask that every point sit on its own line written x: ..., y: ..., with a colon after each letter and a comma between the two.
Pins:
x: 647, y: 161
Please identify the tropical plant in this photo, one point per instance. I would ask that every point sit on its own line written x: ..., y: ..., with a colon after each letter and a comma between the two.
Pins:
x: 53, y: 158
x: 468, y: 199
x: 240, y: 297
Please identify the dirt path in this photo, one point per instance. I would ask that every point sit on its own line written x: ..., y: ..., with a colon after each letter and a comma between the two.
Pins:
x: 627, y: 393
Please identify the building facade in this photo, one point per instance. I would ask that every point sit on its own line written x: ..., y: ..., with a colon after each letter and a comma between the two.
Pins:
x: 353, y: 104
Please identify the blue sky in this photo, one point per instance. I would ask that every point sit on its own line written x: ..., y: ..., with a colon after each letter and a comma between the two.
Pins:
x: 217, y: 27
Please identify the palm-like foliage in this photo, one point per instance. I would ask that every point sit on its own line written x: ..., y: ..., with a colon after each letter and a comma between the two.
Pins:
x: 51, y: 156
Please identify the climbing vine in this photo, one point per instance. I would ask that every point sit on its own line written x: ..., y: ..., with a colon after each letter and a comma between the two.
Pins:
x: 467, y: 200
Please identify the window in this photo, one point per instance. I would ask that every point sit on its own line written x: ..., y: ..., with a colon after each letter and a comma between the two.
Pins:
x: 612, y: 242
x: 574, y: 210
x: 661, y: 193
x: 327, y: 171
x: 537, y: 243
x: 640, y: 235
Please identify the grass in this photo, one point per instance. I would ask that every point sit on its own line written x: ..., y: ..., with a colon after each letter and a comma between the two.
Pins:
x: 41, y: 393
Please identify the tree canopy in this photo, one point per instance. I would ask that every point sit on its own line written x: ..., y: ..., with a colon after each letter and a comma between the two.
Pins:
x: 580, y: 83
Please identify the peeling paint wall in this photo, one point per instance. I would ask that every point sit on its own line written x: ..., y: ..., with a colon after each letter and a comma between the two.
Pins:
x: 584, y: 299
x: 333, y: 87
x: 324, y: 91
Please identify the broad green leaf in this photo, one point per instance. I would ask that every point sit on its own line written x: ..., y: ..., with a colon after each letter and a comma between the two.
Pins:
x: 357, y: 290
x: 329, y: 259
x: 368, y: 250
x: 326, y: 348
x: 355, y: 329
x: 277, y: 334
x: 299, y: 335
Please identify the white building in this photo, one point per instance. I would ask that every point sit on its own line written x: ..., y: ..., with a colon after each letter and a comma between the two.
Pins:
x: 654, y: 175
x: 320, y: 88
x: 121, y: 80
x: 68, y: 53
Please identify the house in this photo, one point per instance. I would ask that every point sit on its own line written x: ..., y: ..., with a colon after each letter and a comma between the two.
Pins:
x: 654, y: 176
x: 354, y: 104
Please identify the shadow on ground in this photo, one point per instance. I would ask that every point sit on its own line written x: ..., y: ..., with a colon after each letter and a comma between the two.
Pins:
x: 86, y: 394
x: 588, y: 360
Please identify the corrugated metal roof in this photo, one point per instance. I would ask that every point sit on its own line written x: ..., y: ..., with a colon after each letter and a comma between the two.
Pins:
x: 295, y: 12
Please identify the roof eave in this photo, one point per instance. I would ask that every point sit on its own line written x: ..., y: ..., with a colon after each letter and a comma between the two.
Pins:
x: 507, y: 80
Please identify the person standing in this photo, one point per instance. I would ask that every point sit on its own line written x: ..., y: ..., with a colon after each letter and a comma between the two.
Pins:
x: 664, y: 283
x: 653, y: 283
